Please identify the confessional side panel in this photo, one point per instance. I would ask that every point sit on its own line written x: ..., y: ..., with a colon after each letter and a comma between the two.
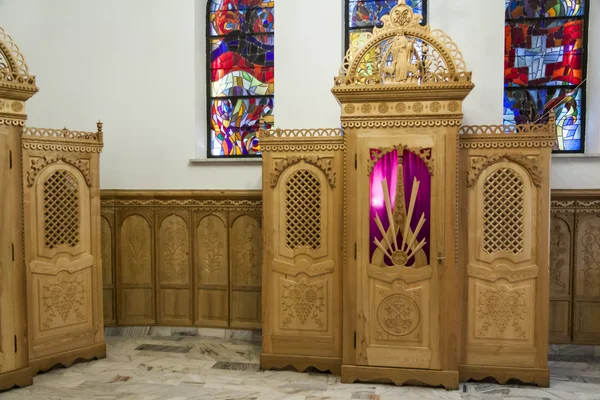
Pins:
x: 174, y: 272
x: 398, y: 306
x: 135, y: 267
x: 13, y: 345
x: 245, y: 254
x: 107, y: 223
x: 301, y: 305
x: 61, y: 271
x: 502, y: 302
x: 561, y: 276
x: 211, y: 269
x: 586, y: 324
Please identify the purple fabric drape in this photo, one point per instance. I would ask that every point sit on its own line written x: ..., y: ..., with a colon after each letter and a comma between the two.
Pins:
x: 387, y: 168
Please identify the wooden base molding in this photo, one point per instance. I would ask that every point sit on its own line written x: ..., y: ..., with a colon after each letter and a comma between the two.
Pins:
x: 300, y: 363
x: 538, y: 376
x: 398, y: 376
x: 19, y: 378
x: 66, y: 359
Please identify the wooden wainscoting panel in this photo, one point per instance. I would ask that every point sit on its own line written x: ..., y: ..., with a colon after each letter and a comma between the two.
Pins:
x: 562, y: 224
x: 586, y: 323
x: 174, y: 272
x: 182, y: 258
x: 135, y: 268
x: 109, y: 291
x: 212, y: 269
x: 246, y: 265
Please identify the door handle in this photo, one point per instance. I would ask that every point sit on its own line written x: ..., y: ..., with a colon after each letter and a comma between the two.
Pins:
x: 440, y: 259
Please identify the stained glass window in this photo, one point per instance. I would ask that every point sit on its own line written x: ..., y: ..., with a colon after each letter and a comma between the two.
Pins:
x: 241, y: 85
x: 363, y: 15
x: 544, y: 66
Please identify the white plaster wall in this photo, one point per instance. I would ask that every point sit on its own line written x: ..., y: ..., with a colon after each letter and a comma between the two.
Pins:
x: 139, y: 65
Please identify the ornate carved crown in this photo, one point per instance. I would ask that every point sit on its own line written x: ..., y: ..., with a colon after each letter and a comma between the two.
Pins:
x: 14, y: 73
x: 403, y: 52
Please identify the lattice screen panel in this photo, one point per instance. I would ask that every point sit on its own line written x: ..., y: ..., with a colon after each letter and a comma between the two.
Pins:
x: 61, y: 210
x: 503, y: 212
x: 303, y: 210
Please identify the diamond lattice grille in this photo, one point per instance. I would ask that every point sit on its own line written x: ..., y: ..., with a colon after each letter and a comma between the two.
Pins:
x: 503, y: 212
x: 303, y: 210
x: 61, y: 210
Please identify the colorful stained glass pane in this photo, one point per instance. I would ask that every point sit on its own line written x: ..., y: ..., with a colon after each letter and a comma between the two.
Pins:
x: 231, y: 83
x: 364, y: 13
x: 234, y: 52
x: 217, y: 5
x: 523, y: 106
x: 242, y: 74
x: 543, y: 8
x: 256, y: 20
x: 546, y: 52
x: 235, y: 123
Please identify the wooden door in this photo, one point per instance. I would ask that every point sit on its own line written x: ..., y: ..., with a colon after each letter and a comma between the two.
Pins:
x: 400, y: 188
x: 61, y: 278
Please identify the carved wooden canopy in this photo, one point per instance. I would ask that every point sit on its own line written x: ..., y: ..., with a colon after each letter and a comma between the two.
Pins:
x: 15, y: 81
x: 403, y: 52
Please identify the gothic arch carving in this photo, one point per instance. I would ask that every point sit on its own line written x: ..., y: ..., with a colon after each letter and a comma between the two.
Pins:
x: 37, y: 166
x: 479, y: 164
x: 325, y: 164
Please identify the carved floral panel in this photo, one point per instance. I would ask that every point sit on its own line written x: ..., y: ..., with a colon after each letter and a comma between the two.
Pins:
x: 246, y: 251
x: 588, y: 256
x: 560, y: 254
x: 63, y: 300
x: 398, y: 313
x: 211, y: 237
x: 174, y: 250
x: 136, y: 250
x: 303, y: 304
x: 502, y: 311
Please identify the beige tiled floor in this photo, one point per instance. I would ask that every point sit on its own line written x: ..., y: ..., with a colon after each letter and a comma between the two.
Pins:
x: 220, y: 369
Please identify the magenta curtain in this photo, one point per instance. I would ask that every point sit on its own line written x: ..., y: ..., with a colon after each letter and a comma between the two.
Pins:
x: 387, y: 168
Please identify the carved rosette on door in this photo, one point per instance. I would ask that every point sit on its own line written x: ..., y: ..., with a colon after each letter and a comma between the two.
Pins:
x: 302, y: 236
x: 62, y: 233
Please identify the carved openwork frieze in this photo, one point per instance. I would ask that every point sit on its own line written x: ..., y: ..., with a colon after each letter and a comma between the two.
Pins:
x: 63, y: 140
x: 477, y: 164
x: 325, y: 164
x: 508, y: 136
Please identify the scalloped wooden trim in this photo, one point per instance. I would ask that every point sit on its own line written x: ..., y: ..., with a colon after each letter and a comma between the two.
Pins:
x: 66, y: 359
x: 539, y: 376
x: 300, y: 363
x: 400, y: 376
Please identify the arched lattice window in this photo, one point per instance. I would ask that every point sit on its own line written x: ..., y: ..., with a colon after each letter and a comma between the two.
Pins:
x: 240, y: 74
x: 545, y: 66
x: 362, y: 15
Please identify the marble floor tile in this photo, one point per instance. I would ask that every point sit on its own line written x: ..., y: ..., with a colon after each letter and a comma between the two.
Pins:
x: 142, y: 367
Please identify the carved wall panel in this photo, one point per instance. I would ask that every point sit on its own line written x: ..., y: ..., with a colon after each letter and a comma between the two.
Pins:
x: 135, y: 268
x: 174, y: 267
x: 212, y: 269
x: 586, y: 328
x: 63, y: 229
x: 109, y: 289
x: 504, y: 251
x: 562, y: 224
x: 301, y: 257
x: 246, y: 270
x: 186, y: 258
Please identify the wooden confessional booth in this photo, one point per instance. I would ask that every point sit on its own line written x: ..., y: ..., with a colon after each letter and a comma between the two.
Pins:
x: 372, y: 267
x: 50, y: 266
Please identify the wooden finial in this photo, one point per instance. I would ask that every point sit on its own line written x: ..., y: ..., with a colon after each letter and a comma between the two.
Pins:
x: 99, y: 125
